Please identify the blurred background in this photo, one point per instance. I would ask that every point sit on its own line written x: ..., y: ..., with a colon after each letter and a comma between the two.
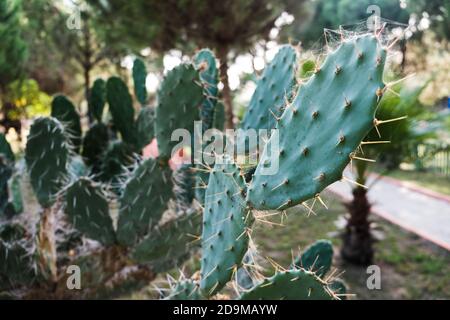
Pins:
x: 62, y: 46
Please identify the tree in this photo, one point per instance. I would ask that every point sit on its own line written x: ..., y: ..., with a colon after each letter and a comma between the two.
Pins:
x: 13, y: 54
x: 228, y: 27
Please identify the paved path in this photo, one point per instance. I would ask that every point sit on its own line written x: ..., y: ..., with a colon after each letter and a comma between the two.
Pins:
x: 424, y: 213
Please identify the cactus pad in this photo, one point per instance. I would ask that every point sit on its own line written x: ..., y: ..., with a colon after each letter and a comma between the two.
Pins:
x: 97, y: 99
x: 274, y: 87
x: 143, y: 201
x: 185, y: 290
x: 320, y: 130
x: 179, y: 101
x: 87, y: 209
x: 5, y: 148
x: 317, y: 257
x: 290, y: 285
x: 226, y: 222
x: 95, y: 144
x: 47, y: 156
x: 139, y: 77
x: 64, y: 110
x: 145, y: 125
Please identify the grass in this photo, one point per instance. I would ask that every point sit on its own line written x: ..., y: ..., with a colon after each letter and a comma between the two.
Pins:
x: 411, y: 268
x: 427, y: 180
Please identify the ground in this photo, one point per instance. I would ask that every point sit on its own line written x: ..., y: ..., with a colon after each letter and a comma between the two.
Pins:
x: 411, y: 268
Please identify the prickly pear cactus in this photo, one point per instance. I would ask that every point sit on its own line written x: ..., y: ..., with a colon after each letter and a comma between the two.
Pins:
x: 184, y: 183
x: 47, y: 156
x: 95, y: 144
x: 185, y: 290
x: 114, y: 162
x: 97, y: 99
x: 205, y: 62
x: 145, y: 125
x: 320, y: 130
x: 88, y: 210
x: 219, y: 117
x: 171, y: 244
x: 179, y: 99
x: 290, y: 285
x: 226, y: 223
x: 5, y: 148
x: 5, y: 174
x: 139, y: 77
x: 64, y: 110
x: 274, y: 88
x: 317, y: 257
x: 121, y: 108
x: 143, y: 201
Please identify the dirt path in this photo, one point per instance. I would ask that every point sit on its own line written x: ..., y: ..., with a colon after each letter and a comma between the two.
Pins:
x: 412, y: 208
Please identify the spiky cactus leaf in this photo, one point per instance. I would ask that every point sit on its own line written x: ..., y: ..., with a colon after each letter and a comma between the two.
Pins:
x: 205, y: 62
x: 145, y: 125
x: 95, y: 144
x: 321, y: 129
x: 117, y: 157
x: 273, y: 89
x: 185, y: 290
x: 226, y: 222
x: 88, y: 210
x: 97, y: 99
x: 290, y: 285
x: 139, y: 77
x: 121, y: 108
x: 143, y: 201
x: 64, y: 110
x: 169, y: 245
x: 179, y: 99
x: 317, y: 257
x: 47, y: 156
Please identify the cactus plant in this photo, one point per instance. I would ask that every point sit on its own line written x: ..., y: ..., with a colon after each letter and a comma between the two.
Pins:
x: 139, y: 77
x: 5, y: 148
x: 64, y: 110
x: 317, y: 257
x: 97, y: 99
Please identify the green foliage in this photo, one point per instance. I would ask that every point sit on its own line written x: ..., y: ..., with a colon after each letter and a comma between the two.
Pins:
x: 64, y: 111
x: 179, y: 99
x: 97, y: 99
x: 47, y: 157
x: 121, y: 108
x: 139, y: 77
x: 115, y: 160
x: 95, y: 144
x: 274, y: 88
x: 290, y: 285
x: 316, y: 258
x: 87, y: 208
x: 143, y: 201
x: 330, y: 116
x: 226, y: 223
x: 145, y: 126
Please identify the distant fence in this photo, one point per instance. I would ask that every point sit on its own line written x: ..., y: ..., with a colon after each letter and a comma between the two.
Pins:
x: 433, y: 157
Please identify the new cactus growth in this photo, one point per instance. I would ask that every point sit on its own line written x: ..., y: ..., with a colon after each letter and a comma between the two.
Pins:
x: 274, y: 88
x: 320, y: 130
x: 226, y: 223
x: 317, y: 257
x: 143, y: 200
x: 47, y: 157
x: 139, y: 77
x: 179, y: 101
x: 97, y: 99
x: 64, y: 110
x: 145, y: 126
x: 88, y: 210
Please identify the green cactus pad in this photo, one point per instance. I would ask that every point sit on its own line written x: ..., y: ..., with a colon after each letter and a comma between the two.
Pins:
x: 169, y: 245
x: 15, y: 192
x: 339, y: 288
x: 205, y: 62
x: 139, y: 77
x: 95, y: 144
x: 64, y: 110
x: 97, y: 99
x: 88, y: 210
x: 47, y: 157
x: 185, y: 290
x: 290, y: 285
x: 184, y: 183
x: 117, y: 157
x: 143, y: 201
x: 5, y: 148
x: 319, y: 131
x: 226, y: 222
x: 121, y: 108
x: 274, y: 87
x: 179, y: 101
x: 317, y: 257
x: 145, y: 125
